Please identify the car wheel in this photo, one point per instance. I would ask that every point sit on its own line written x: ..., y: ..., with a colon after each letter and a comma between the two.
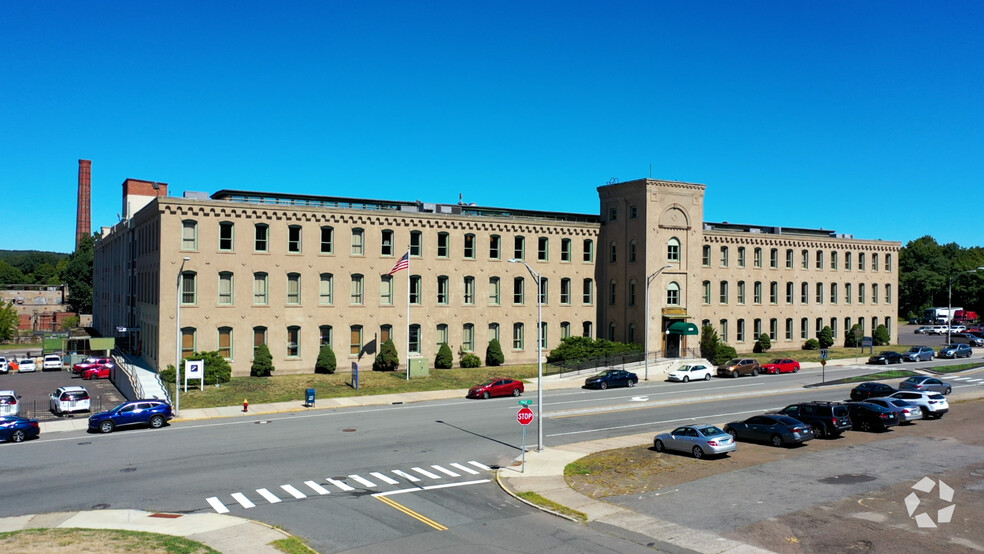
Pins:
x: 698, y: 453
x: 796, y: 370
x: 658, y: 445
x: 707, y: 376
x: 755, y: 373
x: 106, y: 427
x: 777, y: 440
x: 485, y: 395
x: 686, y: 379
x: 734, y: 374
x: 948, y: 390
x: 885, y: 361
x: 157, y: 422
x: 18, y: 436
x: 864, y: 426
x: 632, y: 382
x: 819, y: 431
x: 603, y: 385
x: 733, y: 433
x: 515, y: 392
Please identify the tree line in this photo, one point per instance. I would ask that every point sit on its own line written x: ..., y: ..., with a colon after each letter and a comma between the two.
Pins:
x: 926, y: 270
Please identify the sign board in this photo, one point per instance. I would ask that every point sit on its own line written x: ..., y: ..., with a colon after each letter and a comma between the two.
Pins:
x: 525, y: 402
x: 824, y: 353
x: 524, y: 416
x: 194, y: 369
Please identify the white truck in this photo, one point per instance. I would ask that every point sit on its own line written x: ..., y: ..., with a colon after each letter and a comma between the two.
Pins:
x: 939, y: 316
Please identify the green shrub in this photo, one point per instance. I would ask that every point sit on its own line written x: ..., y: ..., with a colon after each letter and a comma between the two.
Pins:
x: 469, y: 360
x: 217, y: 369
x: 881, y: 336
x: 326, y: 360
x: 493, y: 354
x: 444, y: 358
x: 581, y: 348
x: 826, y: 337
x: 724, y: 353
x: 262, y: 362
x: 853, y: 337
x: 763, y: 344
x: 708, y: 343
x: 811, y: 344
x: 387, y: 359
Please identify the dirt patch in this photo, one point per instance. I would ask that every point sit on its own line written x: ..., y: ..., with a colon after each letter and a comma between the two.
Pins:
x: 58, y: 541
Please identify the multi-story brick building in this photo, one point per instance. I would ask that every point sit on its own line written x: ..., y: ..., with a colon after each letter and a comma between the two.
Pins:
x: 298, y: 271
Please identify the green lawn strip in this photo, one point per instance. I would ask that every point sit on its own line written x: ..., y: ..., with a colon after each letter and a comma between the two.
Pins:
x: 890, y: 374
x: 833, y: 353
x: 551, y: 505
x: 957, y: 367
x: 292, y: 545
x: 23, y: 346
x: 109, y: 541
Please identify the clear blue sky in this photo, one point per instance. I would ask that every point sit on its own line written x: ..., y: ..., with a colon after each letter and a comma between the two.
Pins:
x: 862, y: 117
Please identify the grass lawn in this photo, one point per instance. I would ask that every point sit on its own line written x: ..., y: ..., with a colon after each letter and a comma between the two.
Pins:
x: 889, y: 374
x: 957, y: 367
x: 103, y: 540
x: 833, y: 353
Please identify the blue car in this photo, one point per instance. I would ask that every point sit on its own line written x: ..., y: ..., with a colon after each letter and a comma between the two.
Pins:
x: 18, y: 429
x: 151, y: 413
x: 612, y: 378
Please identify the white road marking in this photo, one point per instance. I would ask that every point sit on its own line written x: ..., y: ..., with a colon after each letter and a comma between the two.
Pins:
x: 339, y: 484
x: 316, y: 487
x: 432, y: 487
x: 447, y: 472
x: 405, y: 475
x: 466, y: 469
x: 293, y: 491
x: 425, y: 473
x: 216, y: 505
x: 270, y: 497
x: 384, y: 478
x: 362, y: 481
x: 243, y: 501
x: 481, y: 466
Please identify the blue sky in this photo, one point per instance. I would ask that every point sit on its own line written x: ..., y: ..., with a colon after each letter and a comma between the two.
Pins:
x: 862, y: 117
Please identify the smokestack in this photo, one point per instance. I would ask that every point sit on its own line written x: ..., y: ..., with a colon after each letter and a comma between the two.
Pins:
x: 83, y: 217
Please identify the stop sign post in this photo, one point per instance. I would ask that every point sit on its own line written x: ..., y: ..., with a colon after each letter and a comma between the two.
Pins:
x: 524, y: 416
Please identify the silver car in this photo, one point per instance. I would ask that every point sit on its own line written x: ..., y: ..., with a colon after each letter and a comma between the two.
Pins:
x: 908, y: 412
x: 699, y: 440
x: 925, y: 383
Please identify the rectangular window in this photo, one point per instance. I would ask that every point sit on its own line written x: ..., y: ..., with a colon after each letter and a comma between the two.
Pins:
x: 805, y: 261
x: 358, y: 242
x: 293, y: 341
x: 565, y: 329
x: 758, y: 292
x: 495, y: 247
x: 189, y: 288
x: 386, y: 244
x: 758, y: 328
x: 294, y: 239
x: 724, y: 292
x: 225, y: 342
x: 847, y: 294
x: 225, y: 236
x: 833, y: 293
x: 565, y: 291
x: 741, y: 292
x: 707, y: 292
x: 542, y: 249
x: 740, y: 331
x: 774, y: 258
x: 819, y: 259
x: 494, y: 298
x: 468, y: 337
x: 789, y: 259
x: 833, y: 260
x: 804, y: 293
x: 261, y: 289
x: 469, y: 290
x: 588, y: 250
x: 588, y: 292
x: 189, y: 340
x: 819, y: 293
x: 633, y: 212
x: 469, y: 246
x: 225, y: 288
x: 324, y: 335
x: 773, y: 292
x: 443, y: 245
x: 789, y: 293
x: 261, y: 238
x: 565, y: 250
x: 517, y: 336
x: 724, y: 330
x: 414, y: 339
x: 416, y: 244
x: 327, y: 240
x: 543, y: 290
x: 415, y: 283
x: 442, y: 290
x: 355, y: 340
x: 259, y: 337
x: 326, y: 289
x: 847, y: 260
x: 724, y: 256
x: 707, y: 256
x: 518, y: 290
x: 358, y: 289
x: 758, y: 257
x: 493, y: 331
x: 189, y: 235
x: 773, y: 329
x: 386, y: 290
x: 519, y: 248
x: 442, y: 335
x: 741, y: 256
x: 294, y: 288
x: 789, y: 328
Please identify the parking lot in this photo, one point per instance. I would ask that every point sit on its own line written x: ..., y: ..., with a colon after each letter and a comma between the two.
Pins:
x: 34, y: 388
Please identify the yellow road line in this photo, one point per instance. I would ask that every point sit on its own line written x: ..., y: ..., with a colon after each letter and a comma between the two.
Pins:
x: 412, y: 513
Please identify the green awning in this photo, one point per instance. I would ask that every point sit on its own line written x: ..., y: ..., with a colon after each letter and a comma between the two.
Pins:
x: 683, y: 328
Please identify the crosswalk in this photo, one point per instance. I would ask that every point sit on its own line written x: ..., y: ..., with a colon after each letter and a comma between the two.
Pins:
x: 967, y: 380
x: 380, y: 482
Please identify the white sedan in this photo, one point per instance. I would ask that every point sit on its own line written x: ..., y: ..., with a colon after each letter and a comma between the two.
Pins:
x: 687, y: 373
x: 26, y: 364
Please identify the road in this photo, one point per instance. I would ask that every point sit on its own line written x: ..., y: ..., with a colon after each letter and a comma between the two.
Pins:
x: 340, y: 478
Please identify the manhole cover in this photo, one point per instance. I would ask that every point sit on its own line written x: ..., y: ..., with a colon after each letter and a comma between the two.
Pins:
x: 85, y: 443
x: 128, y: 470
x: 100, y: 507
x: 348, y: 430
x: 846, y: 479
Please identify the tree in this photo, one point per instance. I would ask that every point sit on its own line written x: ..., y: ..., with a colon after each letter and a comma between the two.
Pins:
x: 764, y: 343
x: 708, y: 343
x: 881, y: 336
x: 723, y: 353
x: 826, y: 337
x: 69, y: 322
x: 853, y: 337
x: 10, y: 275
x: 811, y: 344
x: 78, y: 277
x: 326, y: 360
x: 217, y: 369
x: 493, y: 354
x: 8, y: 321
x: 444, y: 358
x: 387, y: 359
x: 262, y: 362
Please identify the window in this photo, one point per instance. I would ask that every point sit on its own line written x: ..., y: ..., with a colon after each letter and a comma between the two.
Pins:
x: 612, y: 214
x: 261, y: 289
x: 789, y: 292
x: 565, y: 329
x: 386, y: 242
x: 724, y: 330
x: 415, y: 289
x: 189, y: 340
x: 442, y: 289
x: 847, y: 260
x: 294, y: 288
x: 468, y: 337
x: 874, y: 294
x: 740, y: 330
x: 741, y: 256
x: 542, y: 249
x: 517, y: 336
x: 326, y: 289
x: 493, y: 331
x: 443, y: 245
x: 724, y: 256
x: 518, y: 290
x: 833, y: 260
x: 225, y: 288
x: 226, y: 236
x: 789, y: 328
x: 789, y: 259
x: 632, y: 292
x: 611, y: 331
x: 757, y: 292
x: 819, y: 259
x: 588, y: 293
x: 416, y: 244
x: 774, y: 258
x: 805, y: 263
x: 860, y: 293
x: 673, y: 294
x: 672, y: 250
x: 819, y: 327
x: 833, y: 326
x: 741, y: 292
x: 357, y: 289
x: 611, y: 292
x: 874, y: 262
x: 847, y: 295
x: 758, y: 257
x: 189, y: 288
x: 261, y: 237
x: 293, y: 341
x: 804, y: 328
x: 773, y: 328
x: 294, y: 239
x: 888, y: 267
x: 707, y: 292
x: 819, y: 293
x: 888, y: 294
x: 706, y: 256
x: 860, y: 261
x: 225, y: 342
x: 805, y: 293
x: 565, y: 291
x: 757, y: 328
x: 588, y: 250
x: 586, y: 329
x: 327, y: 240
x: 259, y: 337
x: 543, y: 290
x: 494, y: 247
x: 442, y: 335
x: 494, y: 291
x: 189, y: 235
x: 833, y: 293
x: 414, y: 339
x: 632, y: 250
x: 385, y: 333
x: 612, y: 252
x: 358, y: 242
x: 633, y: 212
x: 355, y: 340
x: 565, y: 250
x: 469, y: 296
x: 773, y: 292
x: 519, y: 247
x: 324, y: 335
x: 723, y: 292
x: 386, y: 290
x: 469, y: 248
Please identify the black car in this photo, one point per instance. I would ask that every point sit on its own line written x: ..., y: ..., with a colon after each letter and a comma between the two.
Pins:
x: 612, y: 378
x: 871, y: 389
x: 828, y: 419
x: 885, y: 358
x: 872, y: 417
x: 773, y: 428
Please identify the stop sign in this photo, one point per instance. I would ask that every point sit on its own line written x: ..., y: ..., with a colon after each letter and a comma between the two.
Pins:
x: 524, y: 416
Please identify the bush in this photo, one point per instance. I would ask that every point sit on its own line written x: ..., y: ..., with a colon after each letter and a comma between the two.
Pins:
x: 853, y: 337
x: 444, y: 358
x: 708, y: 343
x: 763, y: 344
x: 581, y: 348
x: 326, y: 361
x: 826, y: 337
x: 469, y: 360
x: 811, y: 344
x: 724, y: 353
x: 387, y: 359
x: 493, y: 354
x: 217, y: 369
x: 262, y: 362
x: 881, y: 336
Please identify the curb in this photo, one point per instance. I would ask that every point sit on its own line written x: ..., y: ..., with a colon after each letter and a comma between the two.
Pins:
x: 509, y: 491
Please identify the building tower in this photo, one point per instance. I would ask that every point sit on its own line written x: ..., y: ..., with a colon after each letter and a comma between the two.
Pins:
x: 83, y: 216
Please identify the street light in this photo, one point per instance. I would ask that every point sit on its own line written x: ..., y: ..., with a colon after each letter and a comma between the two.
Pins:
x: 539, y: 353
x: 649, y: 281
x: 177, y: 357
x: 949, y: 300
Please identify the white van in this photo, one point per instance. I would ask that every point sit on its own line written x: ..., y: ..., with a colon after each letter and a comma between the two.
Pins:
x: 8, y: 403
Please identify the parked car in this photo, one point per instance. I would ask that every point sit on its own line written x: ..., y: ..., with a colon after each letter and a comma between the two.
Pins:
x: 967, y: 337
x: 828, y: 419
x: 497, y: 387
x: 51, y: 361
x: 66, y: 400
x: 937, y: 330
x: 699, y: 440
x: 90, y: 363
x: 957, y: 329
x: 8, y: 403
x: 687, y: 373
x: 933, y: 404
x: 925, y: 383
x: 908, y: 412
x: 776, y: 429
x: 26, y: 365
x: 885, y: 358
x: 739, y: 366
x: 612, y: 378
x: 955, y: 351
x: 4, y: 368
x: 919, y: 354
x: 871, y: 389
x: 18, y: 429
x: 150, y: 412
x: 781, y: 365
x: 922, y: 330
x: 101, y: 372
x: 872, y: 417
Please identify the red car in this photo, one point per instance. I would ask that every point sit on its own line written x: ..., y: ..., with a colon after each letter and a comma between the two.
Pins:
x: 92, y: 363
x: 101, y: 372
x: 496, y: 387
x: 784, y: 365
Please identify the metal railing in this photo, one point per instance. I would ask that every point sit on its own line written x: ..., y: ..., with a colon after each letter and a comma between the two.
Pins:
x: 572, y: 366
x: 41, y: 410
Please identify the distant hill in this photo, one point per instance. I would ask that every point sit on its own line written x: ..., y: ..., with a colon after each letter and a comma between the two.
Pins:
x: 6, y: 254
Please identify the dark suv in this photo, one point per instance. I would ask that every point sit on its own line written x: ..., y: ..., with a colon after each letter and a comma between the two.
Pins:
x: 828, y: 419
x: 871, y: 389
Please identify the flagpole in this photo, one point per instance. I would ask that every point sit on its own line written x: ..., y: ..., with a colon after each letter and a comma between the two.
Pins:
x: 408, y: 313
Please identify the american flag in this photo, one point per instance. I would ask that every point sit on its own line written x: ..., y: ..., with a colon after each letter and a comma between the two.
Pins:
x: 403, y: 263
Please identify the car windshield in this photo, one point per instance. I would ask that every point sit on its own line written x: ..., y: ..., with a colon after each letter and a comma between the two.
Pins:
x: 915, y: 349
x: 605, y: 373
x: 734, y: 361
x: 487, y: 383
x: 936, y: 396
x: 684, y: 368
x: 710, y: 431
x: 777, y: 361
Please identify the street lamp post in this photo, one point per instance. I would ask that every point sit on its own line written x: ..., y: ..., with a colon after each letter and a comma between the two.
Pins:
x: 539, y: 353
x: 649, y: 281
x: 177, y: 357
x: 949, y: 300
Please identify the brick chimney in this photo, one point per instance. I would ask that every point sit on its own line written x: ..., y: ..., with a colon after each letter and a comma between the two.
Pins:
x: 83, y: 216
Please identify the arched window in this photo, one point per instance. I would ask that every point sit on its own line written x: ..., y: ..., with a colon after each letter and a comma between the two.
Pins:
x: 673, y: 294
x: 672, y: 250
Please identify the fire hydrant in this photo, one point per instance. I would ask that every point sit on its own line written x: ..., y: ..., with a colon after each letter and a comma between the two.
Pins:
x: 245, y: 405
